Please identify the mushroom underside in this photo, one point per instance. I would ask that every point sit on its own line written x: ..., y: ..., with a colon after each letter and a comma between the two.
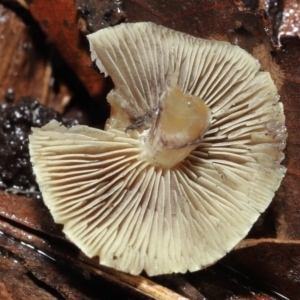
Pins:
x: 116, y: 203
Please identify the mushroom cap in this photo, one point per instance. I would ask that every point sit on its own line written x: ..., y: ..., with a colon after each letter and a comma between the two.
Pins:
x: 139, y: 216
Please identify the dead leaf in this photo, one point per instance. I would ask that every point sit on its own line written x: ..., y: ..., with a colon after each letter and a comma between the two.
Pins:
x: 290, y: 23
x: 206, y: 19
x: 29, y: 213
x: 287, y: 202
x: 24, y: 70
x: 16, y: 283
x: 273, y: 262
x: 59, y: 20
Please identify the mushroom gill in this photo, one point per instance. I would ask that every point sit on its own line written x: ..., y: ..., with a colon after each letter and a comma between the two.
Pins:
x: 189, y: 159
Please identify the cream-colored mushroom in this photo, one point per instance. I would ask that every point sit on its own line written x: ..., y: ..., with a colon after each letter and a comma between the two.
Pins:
x: 189, y: 159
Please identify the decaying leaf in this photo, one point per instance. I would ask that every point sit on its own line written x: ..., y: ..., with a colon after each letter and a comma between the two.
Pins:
x: 58, y: 19
x: 24, y: 70
x: 274, y: 262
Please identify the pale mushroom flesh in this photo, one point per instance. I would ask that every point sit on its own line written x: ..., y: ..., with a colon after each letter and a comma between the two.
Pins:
x: 189, y: 159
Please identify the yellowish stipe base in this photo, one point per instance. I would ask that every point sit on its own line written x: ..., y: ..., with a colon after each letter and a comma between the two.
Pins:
x: 182, y: 121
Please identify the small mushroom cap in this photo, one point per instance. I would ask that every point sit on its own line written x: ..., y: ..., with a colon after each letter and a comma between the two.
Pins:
x: 116, y: 204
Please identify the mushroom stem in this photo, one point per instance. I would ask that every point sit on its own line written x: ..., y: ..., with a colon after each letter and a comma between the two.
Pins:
x: 181, y: 123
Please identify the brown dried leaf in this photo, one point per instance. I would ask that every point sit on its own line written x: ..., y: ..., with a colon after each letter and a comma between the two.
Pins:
x: 290, y: 24
x: 220, y: 282
x: 274, y: 262
x: 59, y: 20
x: 29, y: 213
x: 24, y: 70
x: 58, y: 279
x: 16, y: 283
x: 287, y: 202
x: 206, y: 19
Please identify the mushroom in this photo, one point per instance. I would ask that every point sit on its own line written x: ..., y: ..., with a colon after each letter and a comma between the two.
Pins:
x: 189, y: 158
